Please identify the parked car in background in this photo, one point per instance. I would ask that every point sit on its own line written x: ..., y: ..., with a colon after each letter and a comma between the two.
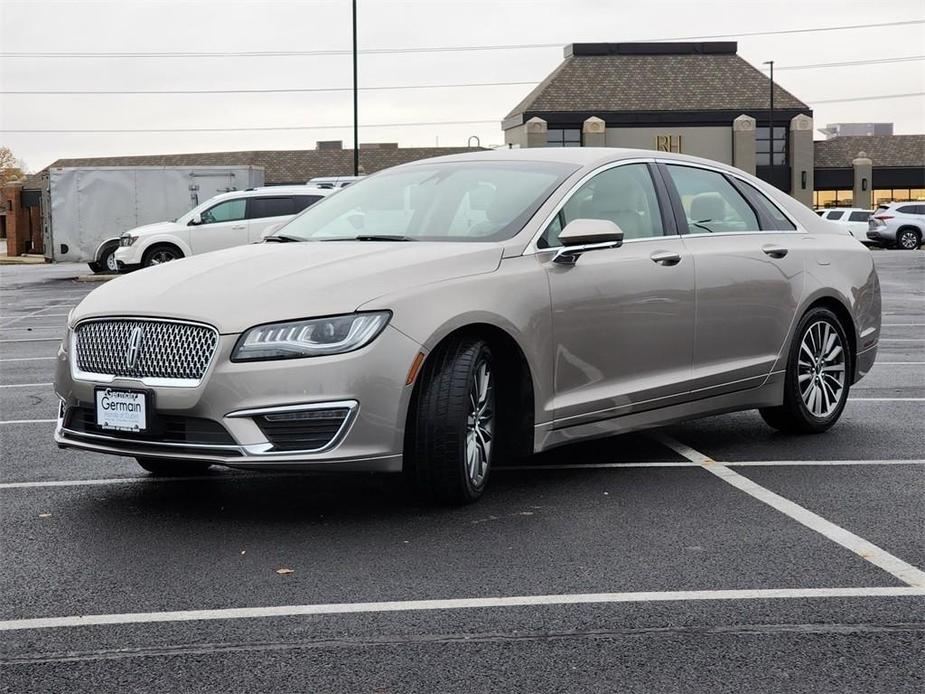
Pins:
x: 854, y: 219
x: 335, y: 182
x: 898, y: 225
x: 451, y: 313
x: 230, y: 219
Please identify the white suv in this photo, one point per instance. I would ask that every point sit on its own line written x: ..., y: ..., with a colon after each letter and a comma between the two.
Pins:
x: 854, y: 219
x: 229, y: 219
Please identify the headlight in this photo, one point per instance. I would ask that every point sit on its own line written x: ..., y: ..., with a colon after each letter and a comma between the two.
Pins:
x: 127, y: 240
x: 310, y: 338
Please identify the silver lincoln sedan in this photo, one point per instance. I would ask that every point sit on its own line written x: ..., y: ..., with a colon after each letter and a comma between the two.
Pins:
x: 446, y: 315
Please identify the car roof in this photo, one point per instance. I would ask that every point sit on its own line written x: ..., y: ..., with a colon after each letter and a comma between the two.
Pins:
x: 273, y: 190
x: 844, y: 209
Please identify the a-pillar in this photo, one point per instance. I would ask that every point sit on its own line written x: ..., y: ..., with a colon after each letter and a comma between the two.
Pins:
x: 801, y: 159
x: 743, y: 143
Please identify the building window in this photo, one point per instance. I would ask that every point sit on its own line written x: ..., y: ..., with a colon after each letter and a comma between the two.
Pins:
x: 763, y: 146
x: 559, y: 137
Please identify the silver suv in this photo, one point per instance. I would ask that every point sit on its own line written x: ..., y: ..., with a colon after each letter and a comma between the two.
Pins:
x: 899, y: 224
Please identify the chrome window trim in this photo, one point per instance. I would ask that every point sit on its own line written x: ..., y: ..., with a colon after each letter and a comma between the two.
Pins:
x: 532, y: 248
x: 152, y: 382
x: 265, y: 449
x: 697, y: 165
x: 152, y: 444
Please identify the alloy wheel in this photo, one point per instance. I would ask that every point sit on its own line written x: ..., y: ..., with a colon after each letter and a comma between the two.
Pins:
x: 821, y: 369
x: 162, y: 256
x: 909, y: 240
x: 111, y: 264
x: 480, y: 424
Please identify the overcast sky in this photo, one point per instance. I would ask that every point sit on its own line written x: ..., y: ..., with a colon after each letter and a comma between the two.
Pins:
x: 318, y: 25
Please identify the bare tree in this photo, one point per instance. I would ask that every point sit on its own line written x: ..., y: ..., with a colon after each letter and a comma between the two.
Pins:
x: 11, y: 168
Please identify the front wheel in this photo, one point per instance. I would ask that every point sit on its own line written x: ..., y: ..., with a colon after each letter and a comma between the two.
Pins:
x: 818, y: 376
x: 158, y: 255
x: 172, y: 468
x: 453, y: 438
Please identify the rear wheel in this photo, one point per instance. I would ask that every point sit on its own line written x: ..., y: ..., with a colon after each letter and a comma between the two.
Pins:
x: 158, y: 255
x: 172, y: 468
x: 818, y: 376
x: 453, y: 441
x: 908, y: 239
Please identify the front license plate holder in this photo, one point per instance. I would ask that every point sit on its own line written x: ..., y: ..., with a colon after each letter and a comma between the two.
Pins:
x: 123, y: 409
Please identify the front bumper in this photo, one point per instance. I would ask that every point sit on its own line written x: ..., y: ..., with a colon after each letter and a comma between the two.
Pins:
x: 129, y: 256
x: 370, y: 382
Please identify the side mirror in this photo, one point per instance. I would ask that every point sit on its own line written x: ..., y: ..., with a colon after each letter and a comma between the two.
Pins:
x: 583, y: 235
x: 195, y: 221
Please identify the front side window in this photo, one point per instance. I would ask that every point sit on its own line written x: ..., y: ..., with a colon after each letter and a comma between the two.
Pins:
x: 711, y: 203
x: 460, y: 201
x: 625, y: 195
x: 563, y: 137
x: 227, y: 211
x: 270, y: 207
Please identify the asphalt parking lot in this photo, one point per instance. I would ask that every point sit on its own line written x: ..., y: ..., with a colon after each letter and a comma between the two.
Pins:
x: 713, y: 556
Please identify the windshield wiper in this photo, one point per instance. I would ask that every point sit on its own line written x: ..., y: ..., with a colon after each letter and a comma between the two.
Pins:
x: 281, y: 238
x: 372, y: 237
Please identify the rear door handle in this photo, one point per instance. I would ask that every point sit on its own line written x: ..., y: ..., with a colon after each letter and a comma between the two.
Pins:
x: 775, y: 251
x: 665, y: 257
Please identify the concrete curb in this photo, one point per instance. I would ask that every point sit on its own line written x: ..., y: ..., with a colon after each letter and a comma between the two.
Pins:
x: 22, y: 260
x: 95, y: 278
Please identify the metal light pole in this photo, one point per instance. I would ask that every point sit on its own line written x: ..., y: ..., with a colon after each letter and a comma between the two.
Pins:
x: 771, y: 120
x: 356, y: 123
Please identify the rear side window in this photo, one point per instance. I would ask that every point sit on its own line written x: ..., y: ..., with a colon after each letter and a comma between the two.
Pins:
x: 908, y: 209
x: 270, y: 207
x: 300, y: 202
x: 836, y: 215
x: 775, y: 219
x: 711, y: 203
x: 859, y: 216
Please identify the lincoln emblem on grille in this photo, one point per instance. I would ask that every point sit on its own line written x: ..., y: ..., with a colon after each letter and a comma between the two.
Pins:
x: 134, y: 347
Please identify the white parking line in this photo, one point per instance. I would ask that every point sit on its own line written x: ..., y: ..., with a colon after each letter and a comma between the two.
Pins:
x: 898, y: 363
x: 29, y: 421
x: 886, y: 399
x: 30, y: 359
x: 453, y: 604
x: 903, y: 325
x: 902, y: 339
x: 34, y: 339
x: 24, y: 385
x: 866, y: 550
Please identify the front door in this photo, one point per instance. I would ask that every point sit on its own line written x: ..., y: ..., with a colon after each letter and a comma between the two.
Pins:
x: 223, y: 225
x: 749, y: 273
x: 622, y: 317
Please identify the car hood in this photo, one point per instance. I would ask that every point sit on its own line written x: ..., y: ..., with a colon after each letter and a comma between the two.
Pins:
x: 156, y: 228
x: 244, y: 286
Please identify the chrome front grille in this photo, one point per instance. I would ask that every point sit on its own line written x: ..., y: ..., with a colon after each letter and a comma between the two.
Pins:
x: 144, y: 349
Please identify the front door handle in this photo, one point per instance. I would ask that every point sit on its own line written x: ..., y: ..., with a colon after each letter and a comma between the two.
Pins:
x: 665, y: 257
x: 239, y: 227
x: 775, y: 251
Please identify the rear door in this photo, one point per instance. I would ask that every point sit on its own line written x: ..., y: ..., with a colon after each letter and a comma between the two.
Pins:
x: 749, y: 276
x: 223, y: 225
x: 857, y: 223
x: 622, y: 317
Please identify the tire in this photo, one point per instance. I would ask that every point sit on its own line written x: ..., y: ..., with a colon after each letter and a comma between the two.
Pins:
x: 908, y: 239
x: 818, y: 379
x: 160, y: 254
x: 172, y: 468
x: 106, y: 263
x: 453, y: 439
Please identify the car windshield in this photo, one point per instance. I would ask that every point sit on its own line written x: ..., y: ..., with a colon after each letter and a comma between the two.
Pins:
x: 461, y: 201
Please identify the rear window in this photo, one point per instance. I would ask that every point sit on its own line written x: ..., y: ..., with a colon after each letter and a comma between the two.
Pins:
x: 859, y: 216
x: 836, y: 215
x: 270, y: 207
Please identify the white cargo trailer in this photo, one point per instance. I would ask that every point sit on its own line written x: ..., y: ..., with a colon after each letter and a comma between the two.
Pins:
x: 86, y: 208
